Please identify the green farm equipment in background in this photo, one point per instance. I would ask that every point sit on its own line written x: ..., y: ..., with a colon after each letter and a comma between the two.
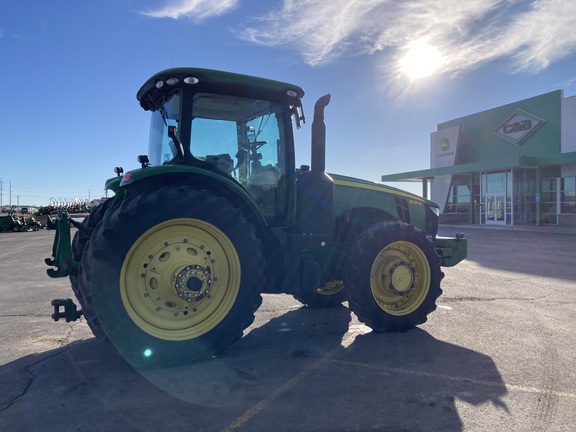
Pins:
x: 11, y: 223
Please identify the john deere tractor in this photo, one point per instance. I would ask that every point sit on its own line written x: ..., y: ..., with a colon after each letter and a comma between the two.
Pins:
x: 171, y: 269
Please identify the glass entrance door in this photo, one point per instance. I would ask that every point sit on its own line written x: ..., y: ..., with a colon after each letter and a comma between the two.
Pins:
x: 496, y: 208
x: 496, y: 197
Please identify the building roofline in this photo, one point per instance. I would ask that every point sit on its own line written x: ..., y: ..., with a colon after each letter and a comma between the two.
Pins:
x: 522, y: 161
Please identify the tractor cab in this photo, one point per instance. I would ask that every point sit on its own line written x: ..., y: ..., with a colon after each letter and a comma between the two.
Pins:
x: 222, y: 123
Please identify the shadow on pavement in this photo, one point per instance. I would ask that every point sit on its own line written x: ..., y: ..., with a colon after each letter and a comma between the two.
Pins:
x: 307, y: 370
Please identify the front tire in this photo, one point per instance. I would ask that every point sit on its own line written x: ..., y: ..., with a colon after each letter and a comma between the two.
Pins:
x: 392, y: 277
x: 175, y: 276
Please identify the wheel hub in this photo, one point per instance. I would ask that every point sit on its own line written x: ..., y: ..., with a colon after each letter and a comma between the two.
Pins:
x: 193, y: 283
x: 401, y: 278
x: 179, y: 278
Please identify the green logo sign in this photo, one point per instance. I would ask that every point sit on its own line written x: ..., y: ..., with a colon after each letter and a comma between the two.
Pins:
x: 445, y: 144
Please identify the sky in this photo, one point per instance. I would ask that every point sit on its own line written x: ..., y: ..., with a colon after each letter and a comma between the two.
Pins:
x: 395, y: 69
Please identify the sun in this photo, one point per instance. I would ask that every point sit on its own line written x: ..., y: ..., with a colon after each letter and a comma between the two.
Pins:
x: 421, y: 60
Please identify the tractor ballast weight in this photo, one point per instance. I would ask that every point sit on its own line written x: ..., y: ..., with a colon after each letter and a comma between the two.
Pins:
x: 171, y: 268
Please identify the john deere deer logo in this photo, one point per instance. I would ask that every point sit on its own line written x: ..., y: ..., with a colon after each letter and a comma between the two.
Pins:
x: 445, y: 144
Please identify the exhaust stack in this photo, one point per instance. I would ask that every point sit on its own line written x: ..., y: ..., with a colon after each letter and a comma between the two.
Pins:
x: 319, y: 135
x: 315, y: 189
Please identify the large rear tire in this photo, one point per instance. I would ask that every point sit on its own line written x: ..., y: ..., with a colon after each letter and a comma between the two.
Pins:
x: 79, y: 242
x: 392, y: 277
x: 175, y: 276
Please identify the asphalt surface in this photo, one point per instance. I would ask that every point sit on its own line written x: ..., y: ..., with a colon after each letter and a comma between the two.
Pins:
x: 498, y: 354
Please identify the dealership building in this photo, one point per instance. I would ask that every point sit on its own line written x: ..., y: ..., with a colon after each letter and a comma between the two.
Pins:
x: 511, y: 165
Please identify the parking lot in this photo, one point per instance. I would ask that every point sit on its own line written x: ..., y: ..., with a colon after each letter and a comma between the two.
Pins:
x: 498, y: 354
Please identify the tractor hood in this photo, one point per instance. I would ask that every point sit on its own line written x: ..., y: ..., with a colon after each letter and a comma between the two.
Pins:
x: 341, y: 180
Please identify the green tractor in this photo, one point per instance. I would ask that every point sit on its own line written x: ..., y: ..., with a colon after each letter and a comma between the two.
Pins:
x: 11, y: 223
x: 171, y: 269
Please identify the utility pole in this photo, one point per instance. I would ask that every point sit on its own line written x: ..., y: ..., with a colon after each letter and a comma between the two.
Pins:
x: 10, y: 194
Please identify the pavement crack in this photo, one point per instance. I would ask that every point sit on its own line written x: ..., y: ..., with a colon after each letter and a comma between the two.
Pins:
x: 458, y: 299
x: 69, y: 334
x: 22, y: 316
x: 28, y: 370
x: 480, y: 299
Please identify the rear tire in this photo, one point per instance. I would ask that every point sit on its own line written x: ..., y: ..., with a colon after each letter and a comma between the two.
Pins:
x: 175, y: 276
x: 79, y: 242
x: 392, y: 277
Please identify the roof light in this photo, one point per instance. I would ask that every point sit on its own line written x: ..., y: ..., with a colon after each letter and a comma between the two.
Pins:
x: 191, y: 80
x: 172, y: 81
x: 292, y: 93
x: 159, y: 84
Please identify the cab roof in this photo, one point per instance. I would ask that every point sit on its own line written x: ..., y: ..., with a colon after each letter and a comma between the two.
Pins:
x: 214, y: 81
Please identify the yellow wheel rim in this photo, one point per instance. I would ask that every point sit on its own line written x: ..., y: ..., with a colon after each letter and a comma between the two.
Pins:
x: 331, y: 288
x: 400, y: 278
x: 180, y: 279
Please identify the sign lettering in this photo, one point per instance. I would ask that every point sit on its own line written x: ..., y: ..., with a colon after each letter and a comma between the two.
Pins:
x: 517, y: 126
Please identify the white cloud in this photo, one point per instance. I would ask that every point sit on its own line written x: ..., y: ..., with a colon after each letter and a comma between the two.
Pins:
x: 530, y: 34
x: 551, y: 25
x: 196, y: 10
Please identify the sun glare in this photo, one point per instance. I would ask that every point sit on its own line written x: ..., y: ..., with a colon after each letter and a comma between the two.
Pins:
x: 421, y: 60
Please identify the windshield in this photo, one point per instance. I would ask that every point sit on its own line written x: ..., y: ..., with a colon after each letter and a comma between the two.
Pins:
x: 161, y: 148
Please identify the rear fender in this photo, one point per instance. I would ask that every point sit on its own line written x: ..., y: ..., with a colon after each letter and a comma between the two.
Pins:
x: 157, y: 176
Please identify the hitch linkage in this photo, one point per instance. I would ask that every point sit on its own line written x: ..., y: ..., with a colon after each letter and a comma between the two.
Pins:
x: 61, y: 250
x: 71, y: 312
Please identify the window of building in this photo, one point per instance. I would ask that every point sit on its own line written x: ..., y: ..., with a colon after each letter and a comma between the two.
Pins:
x: 524, y: 194
x: 568, y: 195
x: 459, y: 200
x: 548, y: 201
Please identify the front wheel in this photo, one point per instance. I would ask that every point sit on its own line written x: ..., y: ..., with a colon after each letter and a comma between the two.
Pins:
x: 175, y: 276
x: 392, y: 277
